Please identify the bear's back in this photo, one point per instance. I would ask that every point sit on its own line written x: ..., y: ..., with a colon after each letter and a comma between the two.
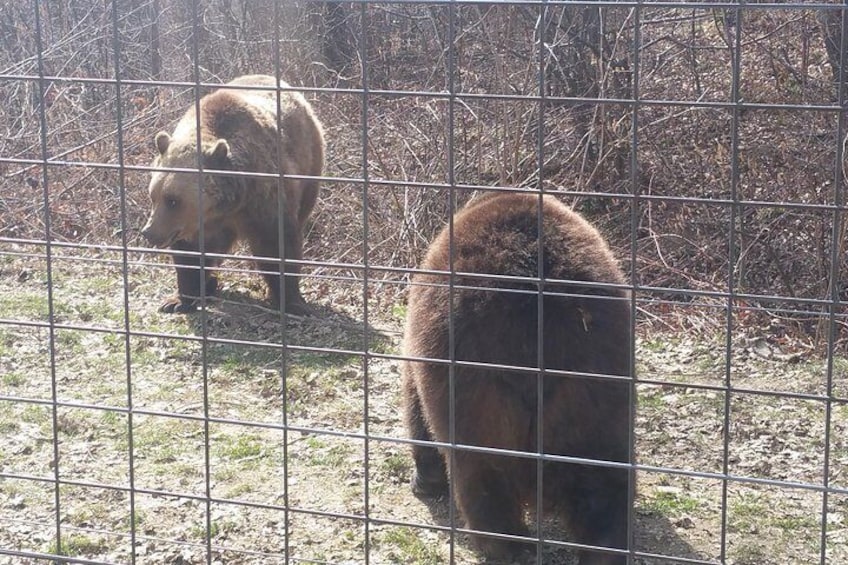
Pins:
x: 496, y: 317
x: 499, y: 234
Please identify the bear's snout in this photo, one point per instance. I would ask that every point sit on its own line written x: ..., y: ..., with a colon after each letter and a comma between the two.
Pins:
x: 155, y: 237
x: 147, y: 232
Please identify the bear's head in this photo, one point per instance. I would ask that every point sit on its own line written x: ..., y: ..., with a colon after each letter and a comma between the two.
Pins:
x: 182, y: 199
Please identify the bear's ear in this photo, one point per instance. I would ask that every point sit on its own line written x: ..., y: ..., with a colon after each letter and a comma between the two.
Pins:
x: 219, y: 151
x: 163, y: 140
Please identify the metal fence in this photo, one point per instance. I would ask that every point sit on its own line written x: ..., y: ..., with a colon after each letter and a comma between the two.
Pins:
x: 704, y: 140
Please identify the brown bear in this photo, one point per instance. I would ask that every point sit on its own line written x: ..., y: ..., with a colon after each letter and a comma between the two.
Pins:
x: 238, y: 132
x: 585, y: 330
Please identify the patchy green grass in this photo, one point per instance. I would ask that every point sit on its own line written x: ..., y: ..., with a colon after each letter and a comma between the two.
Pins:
x: 201, y: 533
x: 759, y: 518
x: 240, y: 359
x: 77, y: 545
x: 13, y: 380
x: 326, y: 453
x: 399, y: 311
x: 407, y: 546
x: 25, y: 304
x: 650, y: 401
x: 747, y: 510
x: 749, y: 553
x: 176, y: 383
x: 671, y: 503
x: 398, y: 465
x: 241, y: 447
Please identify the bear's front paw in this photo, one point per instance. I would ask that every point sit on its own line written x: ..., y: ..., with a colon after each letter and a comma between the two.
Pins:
x: 429, y: 485
x: 299, y: 308
x: 211, y: 286
x: 504, y: 552
x: 177, y: 305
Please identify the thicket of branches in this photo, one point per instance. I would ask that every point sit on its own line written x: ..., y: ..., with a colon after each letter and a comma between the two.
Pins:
x: 698, y: 156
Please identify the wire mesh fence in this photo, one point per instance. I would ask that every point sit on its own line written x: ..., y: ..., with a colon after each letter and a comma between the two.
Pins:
x: 704, y: 141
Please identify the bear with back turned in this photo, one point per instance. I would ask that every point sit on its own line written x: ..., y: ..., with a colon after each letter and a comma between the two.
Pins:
x: 585, y: 329
x: 238, y: 132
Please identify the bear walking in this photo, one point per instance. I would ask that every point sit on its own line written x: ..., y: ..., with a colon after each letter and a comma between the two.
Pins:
x: 586, y: 329
x: 238, y: 132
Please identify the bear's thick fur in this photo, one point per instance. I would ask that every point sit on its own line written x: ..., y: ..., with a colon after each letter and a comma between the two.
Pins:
x: 586, y: 329
x: 238, y: 132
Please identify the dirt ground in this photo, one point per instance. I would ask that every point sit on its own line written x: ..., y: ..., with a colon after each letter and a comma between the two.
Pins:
x: 304, y: 443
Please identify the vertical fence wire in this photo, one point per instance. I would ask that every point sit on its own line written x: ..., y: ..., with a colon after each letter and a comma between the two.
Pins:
x: 198, y: 178
x: 366, y: 364
x: 452, y: 39
x: 735, y: 44
x: 635, y: 215
x: 284, y: 358
x: 836, y: 247
x: 542, y: 19
x: 125, y: 228
x: 48, y: 252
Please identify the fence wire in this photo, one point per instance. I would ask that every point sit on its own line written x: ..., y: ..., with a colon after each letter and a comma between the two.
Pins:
x: 705, y: 141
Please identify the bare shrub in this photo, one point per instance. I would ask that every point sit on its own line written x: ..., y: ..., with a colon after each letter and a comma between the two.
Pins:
x: 456, y: 96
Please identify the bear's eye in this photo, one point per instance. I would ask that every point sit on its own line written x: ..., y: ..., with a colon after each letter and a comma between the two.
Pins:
x: 171, y: 202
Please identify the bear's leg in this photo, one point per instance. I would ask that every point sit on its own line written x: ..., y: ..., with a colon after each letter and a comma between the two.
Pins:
x: 268, y: 245
x: 430, y: 477
x: 595, y: 507
x: 189, y: 276
x: 308, y: 198
x: 489, y: 489
x: 490, y: 499
x: 592, y: 499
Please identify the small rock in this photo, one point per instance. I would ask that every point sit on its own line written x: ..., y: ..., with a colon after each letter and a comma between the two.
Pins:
x: 685, y: 522
x: 669, y: 489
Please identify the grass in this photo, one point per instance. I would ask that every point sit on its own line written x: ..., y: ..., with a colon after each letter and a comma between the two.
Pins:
x: 239, y: 489
x: 162, y: 440
x: 654, y: 344
x: 200, y: 532
x: 111, y: 419
x: 13, y: 380
x: 76, y: 545
x: 793, y: 524
x: 137, y: 519
x: 33, y: 414
x: 26, y: 304
x: 326, y: 453
x: 408, y: 547
x: 397, y: 465
x: 312, y: 361
x: 236, y: 359
x: 757, y: 520
x: 7, y: 339
x: 399, y: 311
x: 650, y: 401
x: 8, y: 427
x: 840, y: 365
x: 671, y: 503
x: 15, y: 417
x: 749, y: 553
x: 678, y: 428
x: 241, y: 447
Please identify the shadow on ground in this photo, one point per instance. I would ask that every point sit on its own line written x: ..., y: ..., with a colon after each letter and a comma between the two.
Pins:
x: 654, y: 534
x: 241, y: 324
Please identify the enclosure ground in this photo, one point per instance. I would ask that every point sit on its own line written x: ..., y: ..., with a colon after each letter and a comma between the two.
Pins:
x: 222, y: 401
